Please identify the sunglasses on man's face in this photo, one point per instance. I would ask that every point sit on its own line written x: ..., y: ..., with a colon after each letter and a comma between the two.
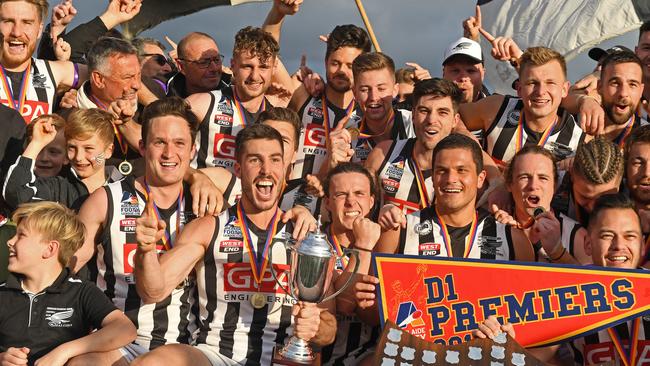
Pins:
x: 160, y: 59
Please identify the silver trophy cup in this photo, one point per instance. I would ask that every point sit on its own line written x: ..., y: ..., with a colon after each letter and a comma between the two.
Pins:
x: 312, y: 265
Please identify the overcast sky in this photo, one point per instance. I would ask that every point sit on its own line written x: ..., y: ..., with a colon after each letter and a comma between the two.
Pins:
x: 407, y: 30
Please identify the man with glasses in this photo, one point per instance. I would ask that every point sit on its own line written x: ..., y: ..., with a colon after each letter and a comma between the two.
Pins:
x: 200, y: 67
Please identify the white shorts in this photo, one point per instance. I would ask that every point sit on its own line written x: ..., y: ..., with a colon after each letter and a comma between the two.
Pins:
x: 131, y: 351
x: 215, y: 358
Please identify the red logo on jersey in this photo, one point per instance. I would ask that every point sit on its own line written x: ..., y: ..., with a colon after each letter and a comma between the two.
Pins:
x: 127, y: 225
x: 129, y: 253
x: 389, y: 185
x: 224, y: 146
x: 31, y: 109
x: 231, y: 246
x: 401, y: 204
x: 239, y: 278
x: 430, y: 248
x: 315, y: 135
x: 223, y: 120
x: 595, y: 354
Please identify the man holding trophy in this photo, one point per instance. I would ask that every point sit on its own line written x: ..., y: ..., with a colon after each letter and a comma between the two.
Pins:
x: 244, y: 314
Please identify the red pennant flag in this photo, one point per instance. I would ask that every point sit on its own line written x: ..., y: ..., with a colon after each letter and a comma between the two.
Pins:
x: 443, y: 299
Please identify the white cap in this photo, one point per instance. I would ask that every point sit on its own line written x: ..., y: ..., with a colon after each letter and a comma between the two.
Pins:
x: 464, y: 46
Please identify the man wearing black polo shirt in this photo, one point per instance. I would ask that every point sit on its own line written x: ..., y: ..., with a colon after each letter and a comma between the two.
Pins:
x: 47, y: 314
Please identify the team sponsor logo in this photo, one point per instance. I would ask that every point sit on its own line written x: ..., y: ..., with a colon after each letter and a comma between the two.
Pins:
x: 395, y: 170
x: 232, y: 229
x: 513, y: 118
x: 315, y: 113
x: 238, y: 277
x: 39, y: 81
x: 390, y: 185
x: 129, y: 205
x: 429, y: 249
x: 224, y: 147
x: 58, y: 317
x: 128, y: 259
x: 231, y: 246
x: 223, y: 120
x: 362, y: 150
x: 315, y: 136
x: 127, y: 225
x: 224, y: 106
x: 491, y: 245
x: 423, y: 228
x: 603, y: 353
x: 31, y: 109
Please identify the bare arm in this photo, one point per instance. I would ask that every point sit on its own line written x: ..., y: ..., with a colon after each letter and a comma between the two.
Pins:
x: 479, y: 115
x: 200, y: 102
x: 92, y: 214
x: 117, y: 331
x: 64, y: 74
x: 158, y: 276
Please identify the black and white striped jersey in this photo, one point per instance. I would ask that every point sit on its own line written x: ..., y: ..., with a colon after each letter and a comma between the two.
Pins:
x: 397, y: 178
x: 424, y: 236
x: 172, y: 320
x: 215, y: 139
x: 500, y: 139
x: 229, y: 322
x: 40, y: 93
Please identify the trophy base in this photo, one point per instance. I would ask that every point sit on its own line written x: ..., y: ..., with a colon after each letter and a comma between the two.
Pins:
x: 296, y: 352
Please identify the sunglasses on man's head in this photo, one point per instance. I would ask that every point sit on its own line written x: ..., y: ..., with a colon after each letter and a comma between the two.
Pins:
x: 160, y: 59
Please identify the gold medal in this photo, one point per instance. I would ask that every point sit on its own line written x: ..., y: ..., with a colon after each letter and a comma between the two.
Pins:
x: 354, y: 132
x: 258, y: 300
x: 125, y: 168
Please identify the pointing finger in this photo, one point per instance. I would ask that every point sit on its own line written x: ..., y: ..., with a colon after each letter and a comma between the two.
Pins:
x: 490, y: 38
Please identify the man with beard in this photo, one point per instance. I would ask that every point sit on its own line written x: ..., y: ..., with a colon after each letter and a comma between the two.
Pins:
x: 223, y: 113
x: 403, y: 167
x: 29, y: 85
x: 637, y: 176
x: 642, y: 50
x: 243, y: 312
x: 621, y: 87
x: 322, y: 115
x: 451, y: 226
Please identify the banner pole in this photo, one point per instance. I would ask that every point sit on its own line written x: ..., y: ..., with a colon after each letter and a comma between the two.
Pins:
x: 366, y: 22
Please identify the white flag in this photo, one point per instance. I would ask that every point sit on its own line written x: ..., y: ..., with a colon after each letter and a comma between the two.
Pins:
x: 567, y: 26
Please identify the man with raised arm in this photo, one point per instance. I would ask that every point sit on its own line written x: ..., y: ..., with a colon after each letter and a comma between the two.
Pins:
x: 243, y: 313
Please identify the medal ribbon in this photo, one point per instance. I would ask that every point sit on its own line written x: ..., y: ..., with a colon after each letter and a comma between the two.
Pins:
x: 258, y: 267
x: 473, y: 231
x: 519, y: 143
x: 240, y: 108
x: 167, y: 240
x: 16, y: 104
x: 124, y: 148
x: 326, y: 114
x: 337, y: 247
x: 419, y: 179
x: 620, y: 139
x: 628, y: 358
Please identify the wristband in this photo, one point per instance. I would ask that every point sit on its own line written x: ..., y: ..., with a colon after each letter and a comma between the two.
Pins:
x: 560, y: 256
x: 76, y: 76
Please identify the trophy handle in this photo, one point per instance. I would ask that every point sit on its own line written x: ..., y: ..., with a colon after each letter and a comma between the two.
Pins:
x: 275, y: 276
x: 346, y: 251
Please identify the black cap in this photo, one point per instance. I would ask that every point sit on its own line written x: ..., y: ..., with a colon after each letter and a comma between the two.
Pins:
x: 598, y: 53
